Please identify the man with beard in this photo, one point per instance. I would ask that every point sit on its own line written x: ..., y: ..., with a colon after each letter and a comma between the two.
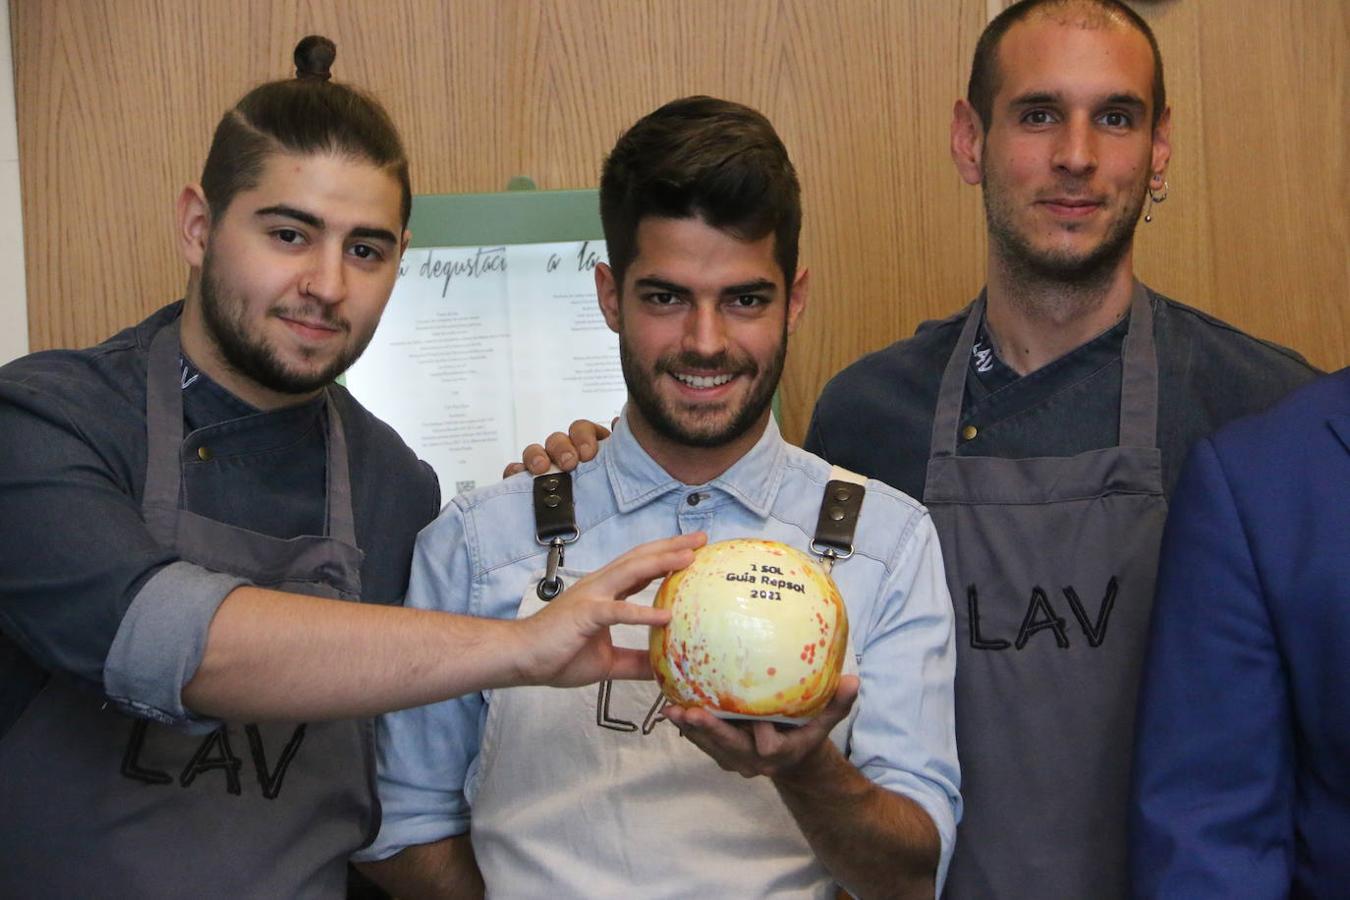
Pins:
x: 585, y: 793
x: 1044, y: 426
x: 184, y: 509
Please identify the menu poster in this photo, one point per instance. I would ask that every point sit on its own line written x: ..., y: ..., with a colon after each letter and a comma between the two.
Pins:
x: 483, y: 350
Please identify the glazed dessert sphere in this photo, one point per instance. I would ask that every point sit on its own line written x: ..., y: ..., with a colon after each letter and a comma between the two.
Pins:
x: 757, y: 631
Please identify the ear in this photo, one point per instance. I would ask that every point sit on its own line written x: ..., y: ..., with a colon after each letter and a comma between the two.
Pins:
x: 194, y: 224
x: 607, y: 292
x: 1162, y: 142
x: 403, y: 244
x: 797, y: 296
x: 967, y: 142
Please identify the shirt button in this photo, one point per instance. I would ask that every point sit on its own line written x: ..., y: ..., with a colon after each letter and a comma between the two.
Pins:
x: 693, y: 499
x: 204, y: 453
x: 968, y: 433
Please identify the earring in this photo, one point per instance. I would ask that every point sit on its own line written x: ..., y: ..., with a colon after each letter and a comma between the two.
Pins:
x: 1155, y: 196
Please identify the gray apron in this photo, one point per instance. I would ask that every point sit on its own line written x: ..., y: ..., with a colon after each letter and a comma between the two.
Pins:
x: 117, y: 806
x: 1051, y: 564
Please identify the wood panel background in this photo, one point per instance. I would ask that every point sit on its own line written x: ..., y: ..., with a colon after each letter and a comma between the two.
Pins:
x: 117, y: 99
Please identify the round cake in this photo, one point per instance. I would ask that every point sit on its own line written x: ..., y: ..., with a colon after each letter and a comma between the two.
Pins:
x: 757, y: 631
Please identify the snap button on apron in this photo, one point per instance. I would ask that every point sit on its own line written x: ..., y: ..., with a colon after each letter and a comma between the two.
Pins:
x: 968, y: 433
x: 204, y: 453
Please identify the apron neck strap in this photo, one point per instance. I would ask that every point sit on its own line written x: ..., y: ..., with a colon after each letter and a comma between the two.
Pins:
x: 838, y: 518
x: 952, y: 392
x: 164, y: 435
x: 1139, y: 375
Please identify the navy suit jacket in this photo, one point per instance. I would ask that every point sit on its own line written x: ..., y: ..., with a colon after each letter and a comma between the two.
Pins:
x: 1242, y: 763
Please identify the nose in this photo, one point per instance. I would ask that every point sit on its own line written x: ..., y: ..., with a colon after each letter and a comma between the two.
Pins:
x: 326, y: 281
x: 1076, y: 149
x: 705, y: 332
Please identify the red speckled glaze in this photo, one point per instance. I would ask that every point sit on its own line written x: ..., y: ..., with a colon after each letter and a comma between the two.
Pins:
x: 758, y: 630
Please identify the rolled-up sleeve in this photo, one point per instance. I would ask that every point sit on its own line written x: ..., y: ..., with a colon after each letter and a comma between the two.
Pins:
x: 424, y: 755
x: 161, y: 640
x: 84, y: 588
x: 904, y: 736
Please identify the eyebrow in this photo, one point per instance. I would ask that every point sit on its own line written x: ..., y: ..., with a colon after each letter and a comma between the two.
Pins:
x: 1039, y: 98
x: 747, y: 287
x: 661, y: 284
x: 313, y: 221
x: 759, y: 285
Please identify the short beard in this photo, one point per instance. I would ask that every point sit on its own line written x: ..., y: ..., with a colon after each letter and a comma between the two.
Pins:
x: 642, y: 392
x: 1055, y: 274
x: 254, y: 358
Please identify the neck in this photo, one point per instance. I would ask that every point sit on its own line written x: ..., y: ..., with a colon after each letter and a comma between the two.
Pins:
x: 198, y: 346
x: 690, y: 464
x: 1034, y: 320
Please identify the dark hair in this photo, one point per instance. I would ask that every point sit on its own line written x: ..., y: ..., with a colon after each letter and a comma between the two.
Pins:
x: 704, y: 157
x: 306, y: 114
x: 984, y: 70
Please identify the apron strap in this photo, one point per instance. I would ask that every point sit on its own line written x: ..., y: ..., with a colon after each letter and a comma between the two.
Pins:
x: 164, y: 435
x: 953, y: 390
x: 1139, y: 375
x: 838, y: 518
x: 555, y: 525
x: 341, y: 519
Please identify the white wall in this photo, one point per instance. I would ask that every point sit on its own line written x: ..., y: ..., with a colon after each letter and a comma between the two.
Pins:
x: 13, y: 291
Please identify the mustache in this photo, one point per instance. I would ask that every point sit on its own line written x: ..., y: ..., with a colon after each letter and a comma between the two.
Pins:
x: 311, y: 313
x: 719, y: 362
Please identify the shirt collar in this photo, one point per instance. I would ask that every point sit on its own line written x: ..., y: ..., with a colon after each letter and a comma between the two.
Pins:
x: 637, y: 479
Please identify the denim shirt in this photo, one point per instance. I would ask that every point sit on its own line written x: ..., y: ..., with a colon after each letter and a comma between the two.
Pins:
x: 481, y: 555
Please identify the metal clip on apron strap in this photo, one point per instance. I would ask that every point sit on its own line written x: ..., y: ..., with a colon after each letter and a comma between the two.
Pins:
x: 555, y: 525
x: 838, y: 517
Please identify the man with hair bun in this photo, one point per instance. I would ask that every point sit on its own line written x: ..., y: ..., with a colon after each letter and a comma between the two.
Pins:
x: 203, y: 542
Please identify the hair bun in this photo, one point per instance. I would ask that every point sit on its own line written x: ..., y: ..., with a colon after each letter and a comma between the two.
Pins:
x: 314, y: 57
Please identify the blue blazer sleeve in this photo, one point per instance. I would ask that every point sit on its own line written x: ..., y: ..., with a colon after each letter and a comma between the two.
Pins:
x: 1213, y: 792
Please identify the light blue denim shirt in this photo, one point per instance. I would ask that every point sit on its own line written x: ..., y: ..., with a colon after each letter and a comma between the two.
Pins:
x: 480, y: 555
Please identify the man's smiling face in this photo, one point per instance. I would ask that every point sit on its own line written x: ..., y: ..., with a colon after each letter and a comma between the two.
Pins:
x: 703, y: 319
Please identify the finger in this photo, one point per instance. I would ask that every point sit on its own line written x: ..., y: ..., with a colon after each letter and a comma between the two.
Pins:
x: 535, y: 459
x: 633, y: 570
x: 624, y: 613
x: 769, y: 741
x: 561, y: 451
x: 844, y: 697
x: 802, y: 740
x: 730, y: 736
x: 513, y: 469
x: 586, y: 436
x: 631, y: 665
